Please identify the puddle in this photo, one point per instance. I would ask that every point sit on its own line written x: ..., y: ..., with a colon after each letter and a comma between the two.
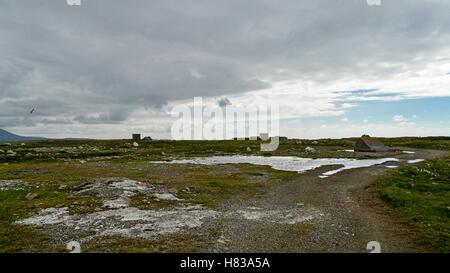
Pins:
x: 284, y: 163
x: 414, y: 161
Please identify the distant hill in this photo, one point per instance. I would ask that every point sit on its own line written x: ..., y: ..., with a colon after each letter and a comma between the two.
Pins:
x: 7, y: 136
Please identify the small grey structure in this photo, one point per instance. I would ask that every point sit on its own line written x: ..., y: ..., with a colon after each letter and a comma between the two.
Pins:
x: 367, y: 144
x: 136, y: 136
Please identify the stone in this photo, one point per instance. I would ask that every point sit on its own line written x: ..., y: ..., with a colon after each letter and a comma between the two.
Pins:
x: 135, y: 144
x: 31, y: 196
x: 249, y: 149
x: 310, y: 150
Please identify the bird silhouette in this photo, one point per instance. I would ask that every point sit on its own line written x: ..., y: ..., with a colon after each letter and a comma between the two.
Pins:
x: 32, y: 111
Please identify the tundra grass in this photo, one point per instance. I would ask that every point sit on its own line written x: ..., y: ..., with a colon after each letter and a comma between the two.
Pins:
x: 420, y: 194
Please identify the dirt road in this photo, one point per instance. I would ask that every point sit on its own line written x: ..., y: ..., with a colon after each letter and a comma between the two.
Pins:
x: 341, y: 213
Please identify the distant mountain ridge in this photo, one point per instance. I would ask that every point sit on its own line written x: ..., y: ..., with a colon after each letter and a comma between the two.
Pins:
x: 7, y: 136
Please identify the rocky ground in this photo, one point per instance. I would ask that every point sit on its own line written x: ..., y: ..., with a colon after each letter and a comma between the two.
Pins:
x: 264, y: 211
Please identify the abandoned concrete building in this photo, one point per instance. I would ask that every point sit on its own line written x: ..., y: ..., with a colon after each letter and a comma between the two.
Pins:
x: 136, y: 136
x: 367, y: 144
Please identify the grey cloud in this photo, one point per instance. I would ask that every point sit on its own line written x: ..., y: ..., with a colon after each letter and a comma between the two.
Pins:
x: 99, y: 62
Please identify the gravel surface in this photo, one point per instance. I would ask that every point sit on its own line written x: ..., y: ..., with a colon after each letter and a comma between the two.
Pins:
x: 341, y: 213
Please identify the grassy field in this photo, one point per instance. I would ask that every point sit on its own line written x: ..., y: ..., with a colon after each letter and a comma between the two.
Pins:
x: 433, y: 143
x: 420, y: 195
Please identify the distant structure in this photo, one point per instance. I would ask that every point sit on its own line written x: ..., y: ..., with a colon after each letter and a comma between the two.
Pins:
x: 367, y: 144
x: 147, y: 138
x: 136, y: 136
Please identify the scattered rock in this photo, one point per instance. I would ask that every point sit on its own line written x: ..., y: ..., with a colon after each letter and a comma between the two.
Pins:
x: 29, y: 155
x: 11, y: 153
x: 5, y: 144
x: 310, y: 150
x: 82, y: 161
x: 11, y: 185
x: 172, y: 190
x: 135, y: 144
x: 223, y: 240
x: 249, y: 149
x: 315, y: 142
x: 31, y: 196
x: 166, y: 196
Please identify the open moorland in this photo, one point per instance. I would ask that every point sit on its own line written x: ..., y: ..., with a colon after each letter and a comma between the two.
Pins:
x: 224, y: 196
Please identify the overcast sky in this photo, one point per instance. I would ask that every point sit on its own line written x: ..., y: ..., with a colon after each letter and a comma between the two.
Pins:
x: 337, y: 68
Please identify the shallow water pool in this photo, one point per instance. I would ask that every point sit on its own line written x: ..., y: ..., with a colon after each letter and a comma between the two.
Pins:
x: 286, y: 163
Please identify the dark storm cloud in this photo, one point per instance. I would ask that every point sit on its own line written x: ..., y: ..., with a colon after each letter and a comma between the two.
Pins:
x: 98, y: 62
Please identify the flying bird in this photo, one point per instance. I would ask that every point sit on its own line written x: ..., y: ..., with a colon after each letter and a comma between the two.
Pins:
x: 32, y: 111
